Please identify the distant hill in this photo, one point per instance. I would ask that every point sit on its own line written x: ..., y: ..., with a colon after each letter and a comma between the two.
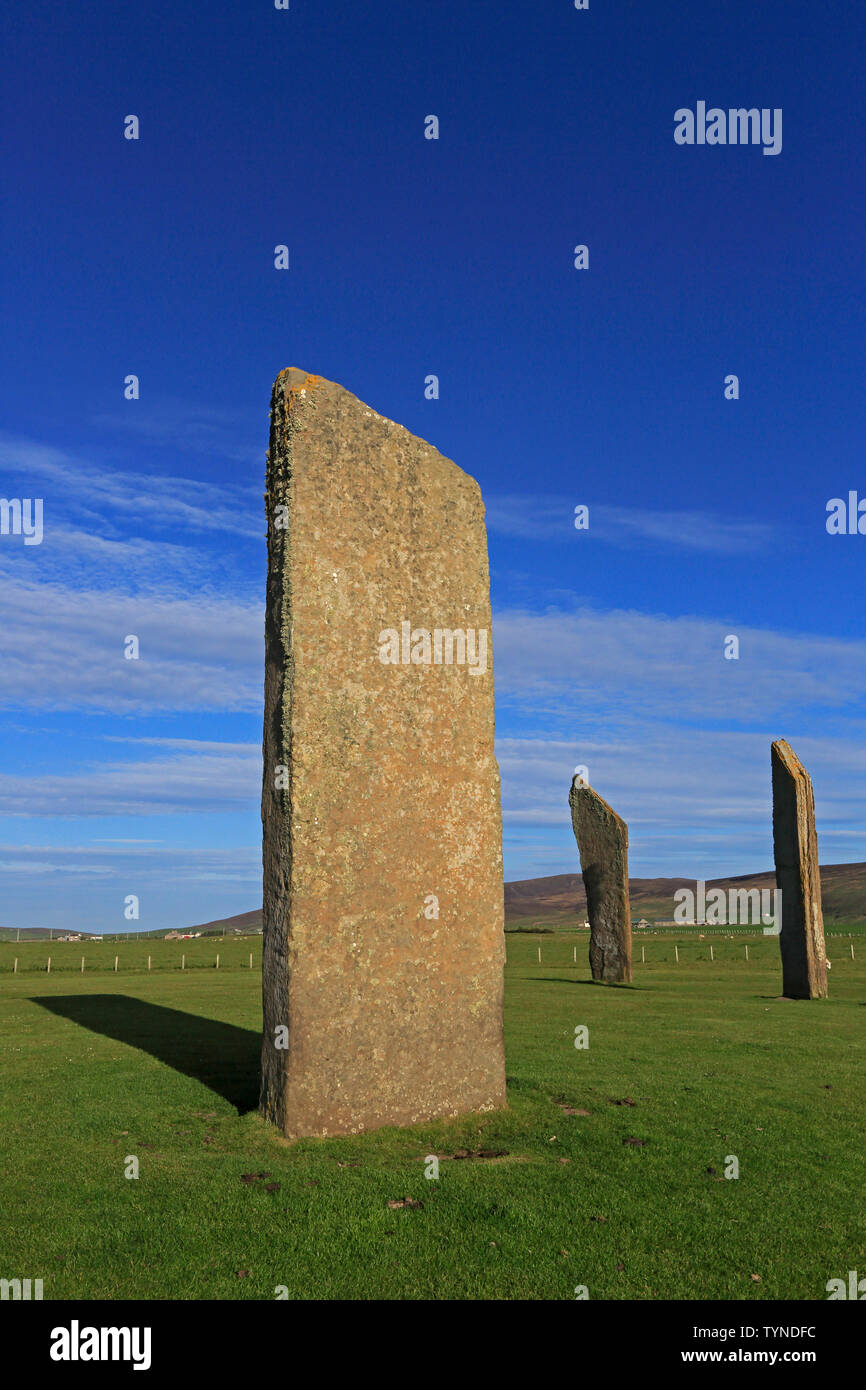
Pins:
x: 244, y: 923
x: 561, y: 899
x: 42, y: 934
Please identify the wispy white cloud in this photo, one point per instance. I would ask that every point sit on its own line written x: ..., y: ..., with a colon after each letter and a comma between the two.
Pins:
x: 183, y: 426
x: 88, y: 859
x: 85, y: 886
x: 605, y: 667
x: 64, y: 650
x: 697, y: 802
x: 540, y: 517
x: 676, y: 736
x: 204, y: 779
x: 114, y: 500
x: 77, y: 560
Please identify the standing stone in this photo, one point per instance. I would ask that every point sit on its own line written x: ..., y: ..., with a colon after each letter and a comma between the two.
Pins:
x: 602, y: 839
x: 382, y: 836
x: 795, y: 849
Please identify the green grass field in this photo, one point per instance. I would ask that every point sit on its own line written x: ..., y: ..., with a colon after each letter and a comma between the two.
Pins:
x: 163, y: 1066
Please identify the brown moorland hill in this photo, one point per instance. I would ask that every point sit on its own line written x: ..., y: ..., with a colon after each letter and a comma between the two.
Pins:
x: 561, y: 898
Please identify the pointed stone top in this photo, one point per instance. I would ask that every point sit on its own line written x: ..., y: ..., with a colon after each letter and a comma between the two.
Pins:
x: 295, y: 377
x: 782, y: 752
x: 299, y: 384
x: 581, y: 791
x: 300, y: 389
x: 294, y: 380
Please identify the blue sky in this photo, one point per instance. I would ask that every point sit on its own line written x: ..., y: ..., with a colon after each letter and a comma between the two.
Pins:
x: 557, y: 387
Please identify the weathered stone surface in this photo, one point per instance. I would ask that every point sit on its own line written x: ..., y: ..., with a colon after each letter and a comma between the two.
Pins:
x: 390, y: 798
x: 602, y: 840
x: 795, y: 849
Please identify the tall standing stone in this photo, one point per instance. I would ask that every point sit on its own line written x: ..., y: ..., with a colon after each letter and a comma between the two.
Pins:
x: 602, y: 840
x: 795, y: 849
x: 382, y: 836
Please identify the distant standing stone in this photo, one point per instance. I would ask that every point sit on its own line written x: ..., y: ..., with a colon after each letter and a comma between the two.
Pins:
x: 384, y: 942
x: 795, y: 849
x: 602, y: 840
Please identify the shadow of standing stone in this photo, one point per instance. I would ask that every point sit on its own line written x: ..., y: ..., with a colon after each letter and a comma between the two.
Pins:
x: 795, y: 850
x: 602, y: 841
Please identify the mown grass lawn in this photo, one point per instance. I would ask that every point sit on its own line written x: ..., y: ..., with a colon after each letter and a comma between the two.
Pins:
x: 163, y: 1066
